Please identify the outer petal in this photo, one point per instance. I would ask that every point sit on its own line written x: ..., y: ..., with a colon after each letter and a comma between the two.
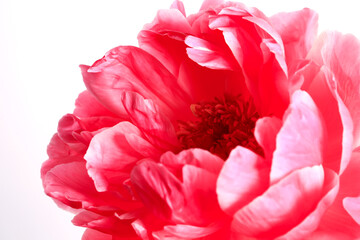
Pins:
x: 298, y: 31
x: 245, y: 175
x: 341, y: 54
x: 164, y: 38
x: 70, y: 184
x: 158, y: 189
x: 282, y: 206
x: 114, y: 152
x: 88, y: 106
x: 299, y: 142
x: 91, y: 234
x: 337, y: 120
x: 210, y: 4
x: 312, y: 221
x: 338, y: 218
x: 106, y: 224
x: 132, y: 69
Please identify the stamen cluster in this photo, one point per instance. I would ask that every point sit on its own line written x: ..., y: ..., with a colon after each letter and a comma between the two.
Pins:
x: 221, y: 125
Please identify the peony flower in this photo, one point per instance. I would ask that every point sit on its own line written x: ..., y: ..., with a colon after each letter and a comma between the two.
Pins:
x: 225, y: 124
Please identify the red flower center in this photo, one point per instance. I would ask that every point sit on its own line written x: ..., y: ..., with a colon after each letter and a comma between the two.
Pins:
x: 220, y: 126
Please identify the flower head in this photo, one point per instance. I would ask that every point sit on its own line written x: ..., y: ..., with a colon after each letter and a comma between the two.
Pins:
x: 225, y: 124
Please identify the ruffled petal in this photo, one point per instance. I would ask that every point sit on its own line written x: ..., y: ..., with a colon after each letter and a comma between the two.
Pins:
x: 261, y: 59
x: 283, y: 206
x: 158, y: 189
x: 207, y: 4
x: 164, y: 38
x: 209, y: 55
x: 298, y: 32
x: 106, y: 224
x: 70, y: 184
x: 312, y: 221
x: 300, y: 141
x: 179, y: 6
x: 245, y: 175
x: 196, y: 157
x: 86, y: 105
x: 129, y: 68
x: 114, y: 152
x: 336, y: 219
x: 338, y: 125
x: 91, y: 234
x: 341, y: 54
x: 147, y: 116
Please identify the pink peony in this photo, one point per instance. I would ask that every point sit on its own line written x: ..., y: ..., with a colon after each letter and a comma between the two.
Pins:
x: 225, y: 124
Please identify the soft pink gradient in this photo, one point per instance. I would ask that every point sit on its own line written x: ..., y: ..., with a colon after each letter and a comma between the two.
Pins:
x: 117, y: 162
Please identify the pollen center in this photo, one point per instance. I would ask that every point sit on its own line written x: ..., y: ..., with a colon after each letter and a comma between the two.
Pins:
x: 220, y: 126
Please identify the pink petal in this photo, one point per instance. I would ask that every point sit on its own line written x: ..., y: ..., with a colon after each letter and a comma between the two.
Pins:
x: 337, y: 121
x: 299, y: 142
x: 209, y: 55
x: 106, y: 224
x: 262, y: 60
x: 195, y: 157
x: 202, y: 207
x: 352, y: 206
x: 243, y: 177
x: 70, y: 184
x: 312, y: 221
x: 147, y: 116
x: 282, y: 206
x: 132, y: 69
x: 179, y: 6
x: 158, y: 189
x: 114, y: 152
x: 266, y: 130
x: 340, y: 54
x: 164, y: 37
x: 88, y: 106
x: 336, y: 218
x: 298, y: 31
x: 191, y: 232
x: 91, y: 234
x: 207, y: 4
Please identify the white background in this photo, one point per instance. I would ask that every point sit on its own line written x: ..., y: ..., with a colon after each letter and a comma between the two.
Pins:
x: 42, y: 42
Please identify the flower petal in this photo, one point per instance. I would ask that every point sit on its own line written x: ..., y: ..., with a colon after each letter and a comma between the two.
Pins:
x: 208, y: 55
x: 298, y: 31
x: 338, y: 124
x: 243, y: 177
x: 91, y: 234
x: 114, y: 152
x: 299, y: 142
x: 207, y: 4
x: 266, y: 130
x: 88, y: 106
x: 341, y: 54
x: 282, y: 206
x: 261, y: 59
x: 158, y: 189
x: 195, y: 157
x: 147, y: 116
x: 129, y: 68
x: 312, y: 221
x: 352, y: 206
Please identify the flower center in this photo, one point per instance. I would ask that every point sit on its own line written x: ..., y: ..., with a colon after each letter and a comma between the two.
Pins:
x: 220, y: 126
